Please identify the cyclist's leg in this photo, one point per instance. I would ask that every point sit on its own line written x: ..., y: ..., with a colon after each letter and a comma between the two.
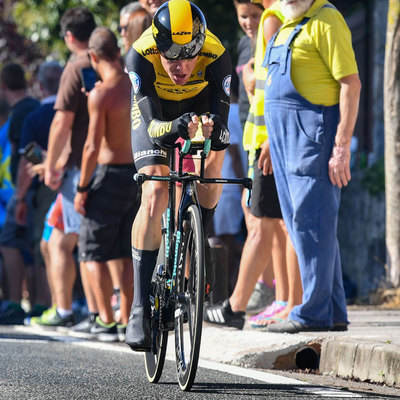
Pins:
x: 146, y: 238
x: 146, y: 234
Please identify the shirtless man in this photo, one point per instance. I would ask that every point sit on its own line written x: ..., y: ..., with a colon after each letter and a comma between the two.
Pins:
x: 106, y: 200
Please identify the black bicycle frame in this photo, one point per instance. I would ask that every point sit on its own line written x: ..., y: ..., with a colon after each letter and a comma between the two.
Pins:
x: 189, y: 197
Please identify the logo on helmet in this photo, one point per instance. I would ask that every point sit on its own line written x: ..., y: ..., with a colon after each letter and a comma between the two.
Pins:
x: 181, y: 33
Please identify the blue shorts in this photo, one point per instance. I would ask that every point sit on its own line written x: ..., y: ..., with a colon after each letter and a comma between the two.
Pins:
x: 71, y: 218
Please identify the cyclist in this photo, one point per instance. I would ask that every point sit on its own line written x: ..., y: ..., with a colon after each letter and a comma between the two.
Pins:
x: 180, y: 74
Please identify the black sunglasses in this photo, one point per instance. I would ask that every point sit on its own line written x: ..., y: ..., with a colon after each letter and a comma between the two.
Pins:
x: 121, y: 28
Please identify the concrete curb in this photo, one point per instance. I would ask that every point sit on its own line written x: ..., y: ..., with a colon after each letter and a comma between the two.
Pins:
x: 374, y: 362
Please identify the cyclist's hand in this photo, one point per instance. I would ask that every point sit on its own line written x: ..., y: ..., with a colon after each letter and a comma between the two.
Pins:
x: 207, y: 125
x: 186, y: 125
x: 220, y: 134
x: 192, y: 127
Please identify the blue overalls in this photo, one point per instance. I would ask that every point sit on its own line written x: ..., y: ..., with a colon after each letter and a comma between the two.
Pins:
x: 301, y: 137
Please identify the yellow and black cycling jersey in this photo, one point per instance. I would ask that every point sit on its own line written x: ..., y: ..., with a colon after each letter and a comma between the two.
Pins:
x: 155, y: 96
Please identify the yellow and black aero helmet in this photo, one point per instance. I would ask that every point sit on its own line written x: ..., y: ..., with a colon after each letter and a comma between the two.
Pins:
x: 179, y: 30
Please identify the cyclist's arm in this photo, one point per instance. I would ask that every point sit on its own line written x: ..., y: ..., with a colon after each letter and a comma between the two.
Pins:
x: 146, y: 102
x: 218, y: 75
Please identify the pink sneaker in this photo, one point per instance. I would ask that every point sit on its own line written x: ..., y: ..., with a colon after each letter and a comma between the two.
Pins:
x: 271, y: 310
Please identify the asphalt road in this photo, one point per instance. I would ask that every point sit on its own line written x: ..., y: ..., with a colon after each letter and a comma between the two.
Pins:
x: 38, y: 366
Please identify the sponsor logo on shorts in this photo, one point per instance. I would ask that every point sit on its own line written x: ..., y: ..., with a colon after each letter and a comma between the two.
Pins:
x: 136, y: 81
x: 149, y: 153
x: 224, y: 136
x: 226, y: 85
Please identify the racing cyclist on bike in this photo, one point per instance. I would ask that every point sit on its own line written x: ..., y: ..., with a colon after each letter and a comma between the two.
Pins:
x: 180, y: 74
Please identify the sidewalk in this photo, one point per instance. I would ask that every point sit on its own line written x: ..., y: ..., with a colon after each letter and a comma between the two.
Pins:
x: 369, y: 350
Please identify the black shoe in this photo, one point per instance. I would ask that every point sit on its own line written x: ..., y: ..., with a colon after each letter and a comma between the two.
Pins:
x: 339, y: 327
x: 293, y: 326
x: 138, y: 332
x: 222, y: 314
x: 12, y: 315
x: 104, y: 332
x: 83, y: 329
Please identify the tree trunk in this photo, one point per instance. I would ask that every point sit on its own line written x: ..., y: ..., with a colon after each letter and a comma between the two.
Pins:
x: 392, y: 141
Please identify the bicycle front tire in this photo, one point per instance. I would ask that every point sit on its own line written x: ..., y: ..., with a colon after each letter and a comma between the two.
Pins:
x: 190, y: 299
x: 154, y: 360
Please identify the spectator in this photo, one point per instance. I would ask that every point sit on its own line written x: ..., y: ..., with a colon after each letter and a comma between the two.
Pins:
x: 132, y: 25
x: 286, y: 271
x: 15, y: 238
x: 151, y: 6
x: 311, y: 104
x: 262, y: 221
x: 36, y: 130
x: 139, y: 21
x: 69, y: 125
x: 107, y: 201
x: 124, y: 17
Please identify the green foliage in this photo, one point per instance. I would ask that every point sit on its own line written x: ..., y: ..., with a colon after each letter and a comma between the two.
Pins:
x: 374, y: 178
x: 38, y: 20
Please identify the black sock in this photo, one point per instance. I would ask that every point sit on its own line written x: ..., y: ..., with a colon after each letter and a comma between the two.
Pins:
x: 207, y: 220
x: 144, y: 262
x: 207, y: 215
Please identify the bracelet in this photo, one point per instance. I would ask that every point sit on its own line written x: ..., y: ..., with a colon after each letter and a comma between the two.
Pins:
x: 22, y: 199
x: 82, y: 189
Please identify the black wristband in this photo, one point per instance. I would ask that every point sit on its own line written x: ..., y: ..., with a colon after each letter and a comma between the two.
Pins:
x: 82, y: 189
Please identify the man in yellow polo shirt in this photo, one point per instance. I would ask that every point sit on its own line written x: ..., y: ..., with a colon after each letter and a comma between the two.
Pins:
x: 311, y: 104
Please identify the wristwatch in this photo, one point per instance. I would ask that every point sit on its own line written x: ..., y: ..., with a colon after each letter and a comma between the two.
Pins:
x: 82, y: 189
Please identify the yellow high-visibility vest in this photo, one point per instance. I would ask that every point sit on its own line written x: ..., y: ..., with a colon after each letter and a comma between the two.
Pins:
x: 255, y: 131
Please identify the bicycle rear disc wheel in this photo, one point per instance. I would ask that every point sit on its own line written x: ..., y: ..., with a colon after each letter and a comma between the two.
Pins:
x: 189, y: 299
x: 154, y: 360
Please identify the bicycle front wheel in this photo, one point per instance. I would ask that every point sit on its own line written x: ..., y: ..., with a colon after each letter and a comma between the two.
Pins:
x: 154, y: 360
x: 189, y: 299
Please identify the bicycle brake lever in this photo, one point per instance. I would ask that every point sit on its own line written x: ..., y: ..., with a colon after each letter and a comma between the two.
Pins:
x: 186, y: 146
x: 207, y: 146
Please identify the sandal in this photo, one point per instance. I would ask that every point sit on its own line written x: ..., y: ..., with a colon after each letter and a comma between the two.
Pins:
x: 274, y: 308
x: 272, y: 320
